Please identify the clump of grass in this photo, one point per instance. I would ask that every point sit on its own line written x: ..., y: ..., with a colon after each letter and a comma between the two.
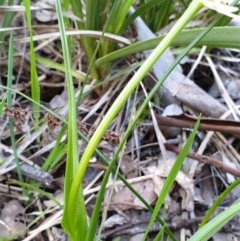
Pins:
x: 111, y: 17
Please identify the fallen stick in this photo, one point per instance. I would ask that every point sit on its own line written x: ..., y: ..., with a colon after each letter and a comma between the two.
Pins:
x: 207, y: 160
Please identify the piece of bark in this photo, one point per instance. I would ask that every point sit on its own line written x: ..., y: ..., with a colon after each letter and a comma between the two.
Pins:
x: 34, y: 173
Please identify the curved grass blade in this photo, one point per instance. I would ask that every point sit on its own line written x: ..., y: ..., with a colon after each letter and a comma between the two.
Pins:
x: 217, y: 202
x: 171, y: 176
x: 219, y: 37
x: 74, y: 219
x: 207, y: 231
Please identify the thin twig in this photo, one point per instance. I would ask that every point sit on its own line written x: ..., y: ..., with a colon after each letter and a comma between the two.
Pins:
x: 207, y: 160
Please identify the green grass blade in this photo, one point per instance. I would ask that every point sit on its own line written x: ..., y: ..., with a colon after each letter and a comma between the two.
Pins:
x: 171, y: 177
x: 97, y: 207
x: 66, y: 4
x: 91, y: 14
x: 115, y: 19
x: 74, y: 218
x: 219, y: 37
x: 7, y: 19
x: 57, y: 152
x: 217, y: 202
x: 142, y: 9
x: 35, y: 88
x: 120, y: 101
x: 2, y: 104
x: 122, y: 13
x: 206, y: 232
x: 160, y: 17
x: 54, y: 65
x: 10, y: 72
x: 9, y: 105
x: 160, y: 234
x: 55, y: 156
x: 88, y: 44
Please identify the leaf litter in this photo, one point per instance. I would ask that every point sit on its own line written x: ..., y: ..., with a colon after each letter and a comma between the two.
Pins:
x: 212, y: 164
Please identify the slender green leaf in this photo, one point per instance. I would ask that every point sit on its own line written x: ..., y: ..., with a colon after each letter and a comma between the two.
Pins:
x: 207, y: 231
x: 218, y: 201
x: 7, y: 19
x: 142, y: 9
x: 54, y: 65
x: 87, y: 43
x: 171, y: 177
x: 74, y: 217
x: 2, y: 104
x: 160, y: 234
x: 218, y: 37
x: 9, y: 105
x: 35, y: 89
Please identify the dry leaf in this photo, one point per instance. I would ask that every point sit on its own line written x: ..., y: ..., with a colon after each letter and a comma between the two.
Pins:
x: 125, y: 199
x: 162, y: 171
x: 206, y: 185
x: 8, y: 215
x: 128, y: 167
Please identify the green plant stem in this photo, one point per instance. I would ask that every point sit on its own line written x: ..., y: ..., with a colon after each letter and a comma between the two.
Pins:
x: 217, y: 38
x: 206, y: 232
x: 218, y: 201
x: 7, y: 18
x: 9, y: 105
x: 60, y: 67
x: 130, y: 87
x: 35, y: 88
x: 171, y: 177
x: 139, y: 11
x: 87, y: 43
x: 71, y: 221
